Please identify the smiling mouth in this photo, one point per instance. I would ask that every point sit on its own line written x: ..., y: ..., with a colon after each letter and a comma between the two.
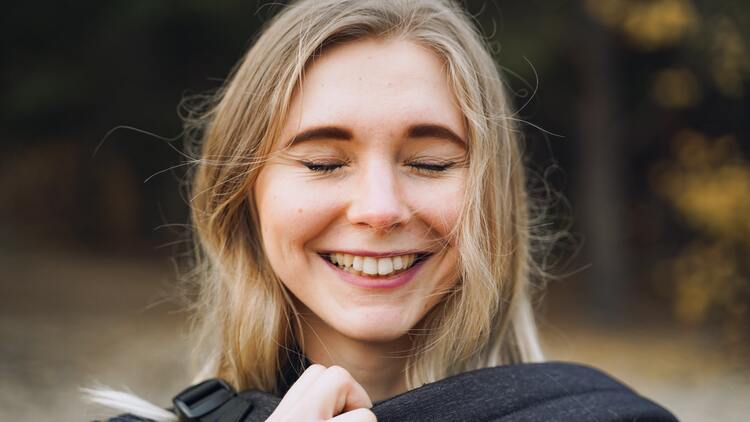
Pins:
x: 372, y: 266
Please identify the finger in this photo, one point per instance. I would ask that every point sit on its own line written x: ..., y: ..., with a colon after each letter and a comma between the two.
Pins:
x: 337, y: 391
x: 359, y: 415
x: 298, y: 390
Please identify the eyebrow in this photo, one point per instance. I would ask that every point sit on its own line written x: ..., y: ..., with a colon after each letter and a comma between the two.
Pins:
x: 324, y: 132
x: 434, y: 131
x: 422, y: 130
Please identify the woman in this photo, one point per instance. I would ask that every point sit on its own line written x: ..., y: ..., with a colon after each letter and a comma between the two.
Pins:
x: 363, y: 231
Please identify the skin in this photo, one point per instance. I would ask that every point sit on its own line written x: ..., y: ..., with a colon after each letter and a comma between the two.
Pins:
x: 385, y: 191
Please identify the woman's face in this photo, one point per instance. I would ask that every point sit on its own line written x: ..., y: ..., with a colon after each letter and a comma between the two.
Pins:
x: 356, y: 211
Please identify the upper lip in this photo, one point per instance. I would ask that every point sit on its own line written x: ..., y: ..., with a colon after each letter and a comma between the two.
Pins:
x: 376, y: 254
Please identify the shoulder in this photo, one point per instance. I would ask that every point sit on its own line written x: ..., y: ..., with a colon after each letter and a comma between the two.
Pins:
x: 554, y: 391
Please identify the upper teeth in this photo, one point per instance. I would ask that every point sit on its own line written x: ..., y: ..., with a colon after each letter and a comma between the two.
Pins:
x: 371, y: 265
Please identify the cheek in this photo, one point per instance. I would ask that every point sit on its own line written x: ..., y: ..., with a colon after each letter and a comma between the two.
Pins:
x: 291, y: 214
x: 439, y: 205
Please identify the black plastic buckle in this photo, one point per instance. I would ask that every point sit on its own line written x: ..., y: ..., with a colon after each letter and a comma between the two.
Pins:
x: 202, y: 399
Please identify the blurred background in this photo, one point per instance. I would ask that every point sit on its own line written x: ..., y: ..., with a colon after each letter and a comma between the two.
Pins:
x: 636, y: 131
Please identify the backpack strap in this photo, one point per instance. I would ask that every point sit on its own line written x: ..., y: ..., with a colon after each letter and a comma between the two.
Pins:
x: 210, y: 400
x: 214, y: 400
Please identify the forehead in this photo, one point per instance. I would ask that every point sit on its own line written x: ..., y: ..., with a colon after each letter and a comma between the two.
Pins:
x: 375, y: 84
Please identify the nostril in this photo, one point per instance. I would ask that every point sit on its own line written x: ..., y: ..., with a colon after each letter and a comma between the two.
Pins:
x: 380, y: 219
x: 378, y: 223
x: 377, y: 203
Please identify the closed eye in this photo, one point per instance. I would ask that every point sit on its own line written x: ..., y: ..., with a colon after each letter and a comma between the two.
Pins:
x: 432, y: 168
x: 322, y: 167
x: 429, y: 168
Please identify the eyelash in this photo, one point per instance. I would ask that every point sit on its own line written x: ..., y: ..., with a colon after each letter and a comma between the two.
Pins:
x: 429, y: 168
x: 322, y: 167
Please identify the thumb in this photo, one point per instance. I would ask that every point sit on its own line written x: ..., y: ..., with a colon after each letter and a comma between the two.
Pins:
x: 359, y: 415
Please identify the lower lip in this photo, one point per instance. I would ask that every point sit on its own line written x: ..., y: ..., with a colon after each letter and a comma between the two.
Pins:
x: 377, y: 282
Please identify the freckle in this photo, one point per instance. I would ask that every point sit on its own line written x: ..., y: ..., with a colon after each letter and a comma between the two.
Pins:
x: 299, y: 210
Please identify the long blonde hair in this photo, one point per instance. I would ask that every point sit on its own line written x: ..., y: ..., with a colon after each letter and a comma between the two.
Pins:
x: 244, y: 314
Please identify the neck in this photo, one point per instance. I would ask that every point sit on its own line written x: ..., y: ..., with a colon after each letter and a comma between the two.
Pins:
x: 377, y: 366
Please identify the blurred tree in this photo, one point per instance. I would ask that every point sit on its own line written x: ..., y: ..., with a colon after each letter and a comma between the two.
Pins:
x: 707, y: 181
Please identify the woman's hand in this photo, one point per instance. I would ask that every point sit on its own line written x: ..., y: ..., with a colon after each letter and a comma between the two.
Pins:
x: 322, y: 394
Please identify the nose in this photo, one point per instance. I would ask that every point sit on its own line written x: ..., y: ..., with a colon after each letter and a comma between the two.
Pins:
x: 377, y: 202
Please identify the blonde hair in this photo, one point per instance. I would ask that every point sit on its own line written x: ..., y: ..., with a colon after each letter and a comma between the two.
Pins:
x: 245, y: 314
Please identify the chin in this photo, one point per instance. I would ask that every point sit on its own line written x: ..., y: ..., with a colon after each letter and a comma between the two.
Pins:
x: 379, y: 336
x: 373, y: 330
